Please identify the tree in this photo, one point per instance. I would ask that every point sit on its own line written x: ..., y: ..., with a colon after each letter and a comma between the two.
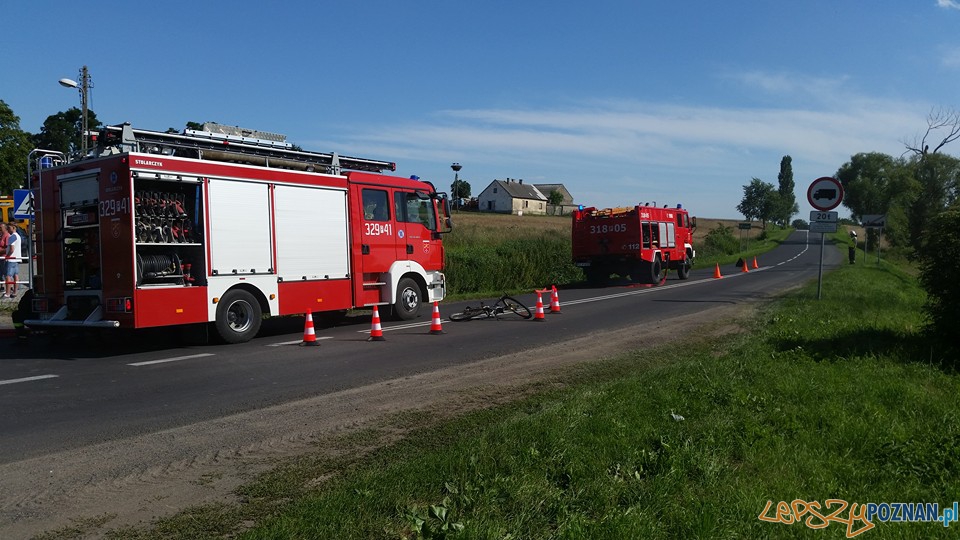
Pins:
x: 460, y: 189
x: 937, y: 177
x: 787, y: 199
x: 876, y: 183
x: 760, y: 200
x: 555, y: 198
x: 14, y: 149
x: 61, y: 131
x: 942, y: 123
x: 935, y: 173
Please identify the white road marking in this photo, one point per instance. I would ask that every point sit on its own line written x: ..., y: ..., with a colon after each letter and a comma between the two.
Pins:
x: 28, y: 379
x: 297, y: 342
x: 633, y: 292
x: 165, y: 360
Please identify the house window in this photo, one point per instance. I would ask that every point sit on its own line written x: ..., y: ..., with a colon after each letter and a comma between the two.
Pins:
x: 526, y: 204
x: 494, y: 190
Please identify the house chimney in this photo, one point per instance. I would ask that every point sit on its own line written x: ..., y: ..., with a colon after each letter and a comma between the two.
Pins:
x: 521, y: 180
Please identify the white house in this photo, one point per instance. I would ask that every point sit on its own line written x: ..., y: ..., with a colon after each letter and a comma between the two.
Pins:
x: 512, y: 196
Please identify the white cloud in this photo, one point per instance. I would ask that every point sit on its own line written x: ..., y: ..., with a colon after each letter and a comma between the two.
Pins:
x: 948, y: 4
x: 612, y: 152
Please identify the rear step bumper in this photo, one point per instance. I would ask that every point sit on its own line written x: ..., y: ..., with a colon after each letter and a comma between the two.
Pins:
x: 59, y: 319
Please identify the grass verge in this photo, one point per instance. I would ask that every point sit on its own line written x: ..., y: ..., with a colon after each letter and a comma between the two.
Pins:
x: 818, y: 400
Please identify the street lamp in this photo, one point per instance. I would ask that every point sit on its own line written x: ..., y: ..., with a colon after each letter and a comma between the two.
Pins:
x: 84, y: 86
x: 456, y: 182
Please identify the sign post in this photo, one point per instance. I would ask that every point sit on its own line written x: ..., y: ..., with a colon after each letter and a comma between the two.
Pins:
x: 743, y: 227
x: 875, y: 221
x: 824, y: 194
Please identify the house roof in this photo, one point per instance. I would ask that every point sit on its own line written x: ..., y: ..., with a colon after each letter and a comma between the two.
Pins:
x: 519, y: 190
x: 547, y: 189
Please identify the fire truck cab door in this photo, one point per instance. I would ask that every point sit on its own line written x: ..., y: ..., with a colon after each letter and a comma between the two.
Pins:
x: 417, y: 238
x: 379, y: 235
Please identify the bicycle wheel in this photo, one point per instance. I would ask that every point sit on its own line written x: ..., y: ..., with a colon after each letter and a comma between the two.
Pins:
x: 468, y: 313
x: 514, y: 306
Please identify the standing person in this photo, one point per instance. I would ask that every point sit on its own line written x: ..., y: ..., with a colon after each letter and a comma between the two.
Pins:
x: 13, y: 261
x: 4, y: 235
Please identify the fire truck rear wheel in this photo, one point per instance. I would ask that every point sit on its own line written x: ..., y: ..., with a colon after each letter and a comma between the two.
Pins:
x: 409, y: 300
x: 654, y: 269
x: 238, y: 317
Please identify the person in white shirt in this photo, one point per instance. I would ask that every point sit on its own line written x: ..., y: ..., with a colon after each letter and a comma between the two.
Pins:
x: 12, y: 257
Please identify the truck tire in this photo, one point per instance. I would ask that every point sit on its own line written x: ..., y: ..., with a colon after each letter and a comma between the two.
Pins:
x: 654, y: 270
x: 238, y: 316
x: 683, y: 270
x: 409, y: 299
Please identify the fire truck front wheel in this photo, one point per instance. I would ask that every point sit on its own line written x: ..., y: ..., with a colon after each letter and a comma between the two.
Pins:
x: 238, y: 317
x: 409, y: 300
x: 683, y: 269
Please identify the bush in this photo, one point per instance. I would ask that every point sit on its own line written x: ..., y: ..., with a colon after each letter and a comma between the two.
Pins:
x: 720, y: 241
x: 511, y: 264
x: 940, y: 275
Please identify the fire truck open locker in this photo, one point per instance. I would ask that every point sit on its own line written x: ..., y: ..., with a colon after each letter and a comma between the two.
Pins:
x: 213, y: 226
x: 642, y: 242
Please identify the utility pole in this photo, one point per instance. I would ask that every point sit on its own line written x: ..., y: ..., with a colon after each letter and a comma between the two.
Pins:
x: 84, y: 86
x: 456, y: 183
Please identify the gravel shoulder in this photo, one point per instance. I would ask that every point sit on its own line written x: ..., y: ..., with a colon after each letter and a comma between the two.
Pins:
x: 134, y: 480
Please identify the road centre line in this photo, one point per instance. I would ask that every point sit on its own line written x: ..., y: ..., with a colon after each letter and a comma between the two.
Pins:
x: 174, y: 359
x: 28, y: 379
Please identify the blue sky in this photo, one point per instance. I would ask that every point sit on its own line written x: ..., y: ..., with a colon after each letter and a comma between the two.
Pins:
x: 621, y: 101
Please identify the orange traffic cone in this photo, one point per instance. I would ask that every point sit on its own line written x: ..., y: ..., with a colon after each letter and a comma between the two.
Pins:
x: 435, y: 326
x: 554, y: 301
x: 309, y: 336
x: 745, y: 269
x: 716, y: 272
x: 755, y: 266
x: 376, y: 333
x: 538, y: 316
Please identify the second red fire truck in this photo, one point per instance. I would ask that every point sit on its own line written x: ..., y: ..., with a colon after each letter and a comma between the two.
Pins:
x: 642, y: 242
x: 224, y: 226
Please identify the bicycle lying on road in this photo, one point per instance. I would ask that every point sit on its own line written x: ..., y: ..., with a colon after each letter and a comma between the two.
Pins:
x: 505, y: 305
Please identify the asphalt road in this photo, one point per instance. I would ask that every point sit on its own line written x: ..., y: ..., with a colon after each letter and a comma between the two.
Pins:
x: 71, y: 393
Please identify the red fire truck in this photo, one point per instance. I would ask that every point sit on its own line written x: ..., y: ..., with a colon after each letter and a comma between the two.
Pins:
x: 224, y: 226
x: 642, y: 242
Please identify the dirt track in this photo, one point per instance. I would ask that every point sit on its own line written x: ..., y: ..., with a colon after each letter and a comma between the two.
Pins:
x: 140, y: 478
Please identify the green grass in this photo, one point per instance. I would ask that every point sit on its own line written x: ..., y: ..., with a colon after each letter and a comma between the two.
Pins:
x: 832, y: 399
x: 822, y: 400
x: 489, y: 254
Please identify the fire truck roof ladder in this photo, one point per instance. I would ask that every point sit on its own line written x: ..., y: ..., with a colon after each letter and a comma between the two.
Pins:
x: 253, y: 147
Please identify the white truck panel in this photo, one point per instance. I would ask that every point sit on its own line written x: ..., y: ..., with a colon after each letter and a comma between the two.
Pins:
x: 312, y: 232
x: 239, y: 227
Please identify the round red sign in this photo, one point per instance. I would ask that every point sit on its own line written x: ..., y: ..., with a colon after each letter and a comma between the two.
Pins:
x: 825, y: 193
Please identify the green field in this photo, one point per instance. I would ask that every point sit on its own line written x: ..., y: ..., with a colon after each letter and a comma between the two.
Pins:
x: 805, y: 401
x: 489, y: 254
